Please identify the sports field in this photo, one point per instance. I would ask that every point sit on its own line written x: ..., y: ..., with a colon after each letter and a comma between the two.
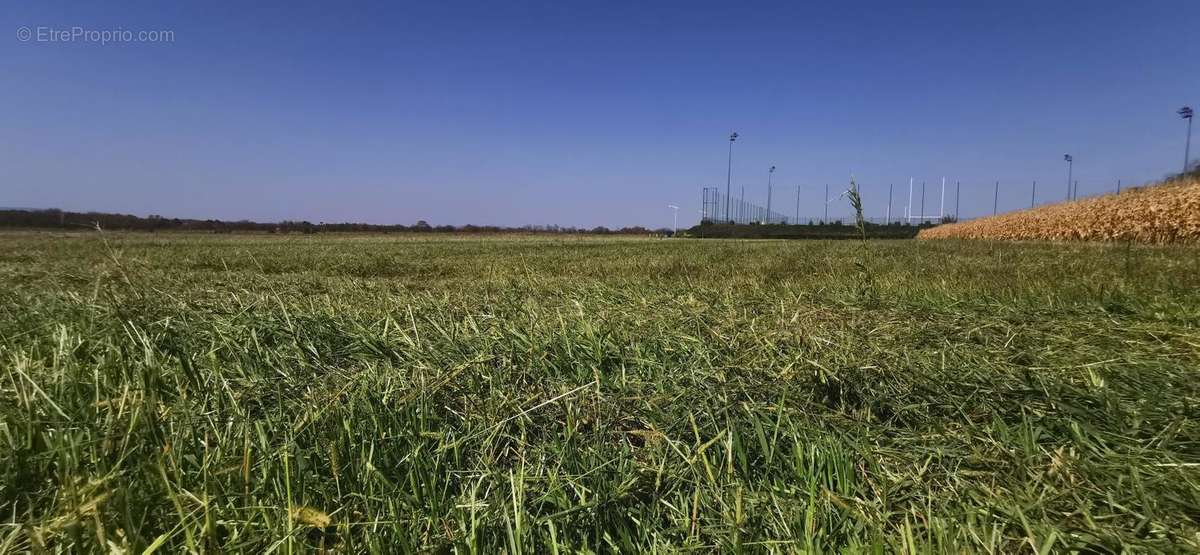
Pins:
x: 389, y: 393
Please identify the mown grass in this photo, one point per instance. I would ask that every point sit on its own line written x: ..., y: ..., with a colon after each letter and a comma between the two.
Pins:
x: 385, y: 393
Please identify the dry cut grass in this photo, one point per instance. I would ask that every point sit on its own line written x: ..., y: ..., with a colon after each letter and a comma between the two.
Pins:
x: 287, y: 394
x: 1159, y: 214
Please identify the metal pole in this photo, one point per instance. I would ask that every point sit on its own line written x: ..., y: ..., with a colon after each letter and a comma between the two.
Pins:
x: 908, y: 209
x: 942, y: 209
x: 826, y: 220
x: 1118, y: 186
x: 921, y: 216
x: 729, y: 172
x: 1187, y: 146
x: 1186, y: 113
x: 1075, y: 190
x: 741, y: 211
x: 888, y: 219
x: 1033, y: 197
x: 1070, y: 167
x: 707, y: 204
x: 797, y: 222
x: 996, y: 199
x: 770, y: 174
x: 957, y: 190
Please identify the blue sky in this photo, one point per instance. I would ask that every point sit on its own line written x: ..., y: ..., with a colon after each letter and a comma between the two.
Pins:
x: 585, y: 114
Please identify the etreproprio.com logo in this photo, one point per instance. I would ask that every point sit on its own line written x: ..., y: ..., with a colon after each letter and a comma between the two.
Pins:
x: 79, y: 33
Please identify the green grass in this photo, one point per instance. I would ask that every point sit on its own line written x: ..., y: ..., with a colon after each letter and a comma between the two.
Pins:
x: 391, y: 393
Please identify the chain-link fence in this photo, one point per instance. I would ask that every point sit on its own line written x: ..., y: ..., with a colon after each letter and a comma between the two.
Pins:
x: 717, y: 207
x: 916, y: 203
x: 720, y: 208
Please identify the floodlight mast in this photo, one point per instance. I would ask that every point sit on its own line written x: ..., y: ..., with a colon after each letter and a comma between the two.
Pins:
x: 729, y: 172
x: 770, y: 174
x: 1070, y: 167
x: 1186, y: 113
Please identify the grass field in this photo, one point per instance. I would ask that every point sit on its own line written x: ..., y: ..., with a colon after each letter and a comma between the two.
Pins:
x: 399, y: 393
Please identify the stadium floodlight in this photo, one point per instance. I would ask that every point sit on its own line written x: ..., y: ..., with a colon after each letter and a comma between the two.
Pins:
x: 770, y: 173
x: 729, y: 172
x: 1070, y: 166
x: 1186, y: 113
x: 675, y: 221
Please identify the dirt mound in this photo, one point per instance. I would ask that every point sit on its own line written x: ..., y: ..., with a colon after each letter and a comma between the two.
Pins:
x: 1164, y: 213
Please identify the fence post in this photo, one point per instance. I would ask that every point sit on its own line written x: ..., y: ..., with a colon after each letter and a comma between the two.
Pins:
x: 888, y: 219
x: 921, y: 217
x: 797, y: 204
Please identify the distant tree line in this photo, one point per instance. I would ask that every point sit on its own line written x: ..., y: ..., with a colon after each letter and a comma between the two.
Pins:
x: 59, y: 219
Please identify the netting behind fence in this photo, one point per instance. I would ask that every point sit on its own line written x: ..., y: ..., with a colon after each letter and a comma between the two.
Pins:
x: 717, y: 207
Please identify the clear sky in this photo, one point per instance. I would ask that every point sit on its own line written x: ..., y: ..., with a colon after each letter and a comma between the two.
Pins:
x: 582, y: 113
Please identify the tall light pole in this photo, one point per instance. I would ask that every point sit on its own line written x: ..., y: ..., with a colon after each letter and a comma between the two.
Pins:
x: 675, y: 221
x: 1070, y: 166
x: 770, y: 174
x: 1186, y: 113
x: 729, y: 172
x: 797, y: 222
